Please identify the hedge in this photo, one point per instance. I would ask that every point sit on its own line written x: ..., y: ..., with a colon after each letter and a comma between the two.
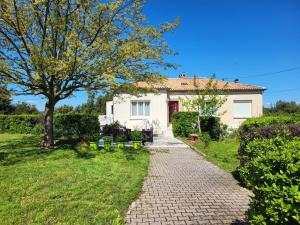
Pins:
x: 76, y: 124
x: 185, y: 123
x: 64, y: 124
x: 266, y: 127
x: 272, y: 172
x: 269, y: 165
x: 23, y: 124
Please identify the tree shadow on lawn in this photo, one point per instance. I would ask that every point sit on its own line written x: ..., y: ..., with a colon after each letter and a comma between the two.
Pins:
x: 131, y: 153
x: 27, y: 149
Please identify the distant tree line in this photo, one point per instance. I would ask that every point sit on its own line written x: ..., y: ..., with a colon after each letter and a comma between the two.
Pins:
x: 94, y: 105
x: 283, y: 107
x: 6, y: 106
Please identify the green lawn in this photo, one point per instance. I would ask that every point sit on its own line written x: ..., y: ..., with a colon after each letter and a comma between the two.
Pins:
x: 222, y: 153
x: 59, y: 187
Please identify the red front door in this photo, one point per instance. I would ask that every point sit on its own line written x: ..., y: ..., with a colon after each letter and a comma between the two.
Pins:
x: 173, y: 107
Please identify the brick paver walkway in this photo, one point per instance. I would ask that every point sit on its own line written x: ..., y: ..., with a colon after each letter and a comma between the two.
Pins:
x: 183, y: 188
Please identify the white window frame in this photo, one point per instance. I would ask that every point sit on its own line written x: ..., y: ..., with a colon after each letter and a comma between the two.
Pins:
x: 144, y: 109
x: 235, y: 116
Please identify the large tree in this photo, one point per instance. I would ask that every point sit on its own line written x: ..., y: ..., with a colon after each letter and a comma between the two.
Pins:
x: 55, y: 47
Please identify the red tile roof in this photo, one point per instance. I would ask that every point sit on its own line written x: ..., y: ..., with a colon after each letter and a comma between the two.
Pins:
x: 187, y: 84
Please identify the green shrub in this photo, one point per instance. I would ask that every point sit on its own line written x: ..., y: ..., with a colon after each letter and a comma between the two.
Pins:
x: 185, y: 123
x: 205, y: 138
x: 109, y: 129
x: 94, y: 137
x: 266, y: 127
x: 272, y: 172
x: 38, y: 129
x: 136, y: 135
x: 76, y: 124
x: 64, y: 124
x: 121, y: 138
x: 108, y: 139
x: 23, y: 124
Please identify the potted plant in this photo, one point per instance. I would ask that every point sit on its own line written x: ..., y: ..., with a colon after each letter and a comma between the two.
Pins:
x: 121, y: 140
x: 136, y: 138
x: 107, y: 142
x: 94, y: 141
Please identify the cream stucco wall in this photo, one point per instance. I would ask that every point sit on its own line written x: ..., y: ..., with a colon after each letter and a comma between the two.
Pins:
x: 158, y: 111
x: 159, y: 108
x: 226, y: 111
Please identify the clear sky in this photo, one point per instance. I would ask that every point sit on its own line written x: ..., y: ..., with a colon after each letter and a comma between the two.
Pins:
x: 232, y: 38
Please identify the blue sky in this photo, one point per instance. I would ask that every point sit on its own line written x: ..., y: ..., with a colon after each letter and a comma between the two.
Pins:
x: 232, y: 38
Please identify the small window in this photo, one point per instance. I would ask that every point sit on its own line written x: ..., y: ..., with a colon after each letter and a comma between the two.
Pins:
x: 242, y: 108
x: 140, y: 108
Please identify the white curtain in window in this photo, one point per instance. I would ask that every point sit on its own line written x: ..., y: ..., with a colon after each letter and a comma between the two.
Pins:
x: 134, y: 108
x: 141, y: 109
x: 242, y: 109
x: 147, y: 108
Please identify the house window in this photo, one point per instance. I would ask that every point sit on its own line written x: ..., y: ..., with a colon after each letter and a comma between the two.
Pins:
x: 140, y: 108
x: 242, y: 108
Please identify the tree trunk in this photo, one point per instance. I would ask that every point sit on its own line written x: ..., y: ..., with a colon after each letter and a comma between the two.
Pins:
x: 199, y: 121
x: 48, y: 123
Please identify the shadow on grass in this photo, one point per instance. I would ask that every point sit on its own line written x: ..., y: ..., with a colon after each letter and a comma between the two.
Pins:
x: 28, y: 148
x: 85, y: 154
x: 131, y: 153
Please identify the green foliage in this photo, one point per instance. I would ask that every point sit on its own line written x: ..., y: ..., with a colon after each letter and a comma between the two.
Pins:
x: 121, y: 138
x: 5, y: 100
x: 64, y: 109
x: 269, y: 164
x: 222, y: 153
x: 63, y: 188
x: 206, y: 101
x: 272, y: 172
x: 83, y: 149
x: 283, y: 107
x: 95, y: 137
x: 94, y: 104
x: 55, y: 48
x: 24, y: 108
x: 22, y: 124
x: 185, y: 123
x: 65, y: 124
x: 267, y: 127
x: 205, y: 138
x: 38, y: 129
x: 108, y: 139
x: 76, y: 124
x: 267, y: 120
x: 109, y: 129
x: 136, y: 135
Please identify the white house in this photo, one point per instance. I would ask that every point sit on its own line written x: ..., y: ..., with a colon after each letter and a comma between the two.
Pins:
x: 156, y: 109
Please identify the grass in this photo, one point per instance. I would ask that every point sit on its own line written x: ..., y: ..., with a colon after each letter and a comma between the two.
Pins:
x: 222, y: 153
x: 61, y: 187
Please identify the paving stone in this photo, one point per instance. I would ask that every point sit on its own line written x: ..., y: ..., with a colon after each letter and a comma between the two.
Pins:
x: 184, y: 188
